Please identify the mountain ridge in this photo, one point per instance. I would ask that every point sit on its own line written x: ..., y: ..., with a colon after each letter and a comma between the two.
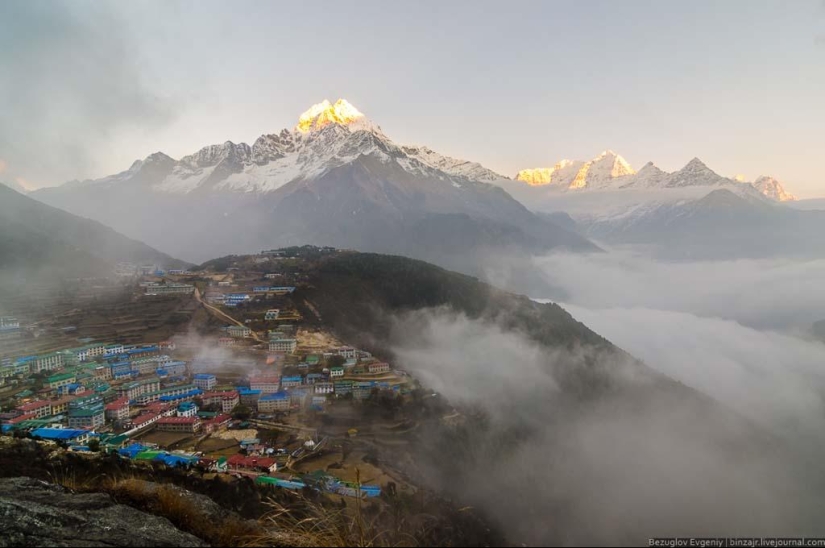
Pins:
x: 45, y: 240
x: 334, y: 179
x: 573, y: 175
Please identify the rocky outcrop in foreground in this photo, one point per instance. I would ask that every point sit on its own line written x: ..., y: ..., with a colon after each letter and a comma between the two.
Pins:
x: 37, y: 513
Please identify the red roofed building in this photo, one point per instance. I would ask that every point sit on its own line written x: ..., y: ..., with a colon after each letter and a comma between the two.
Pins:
x: 61, y: 405
x: 145, y: 420
x: 21, y: 418
x: 252, y: 464
x: 228, y: 399
x: 190, y: 425
x: 160, y: 408
x: 378, y: 367
x: 40, y: 409
x: 218, y: 423
x: 118, y: 410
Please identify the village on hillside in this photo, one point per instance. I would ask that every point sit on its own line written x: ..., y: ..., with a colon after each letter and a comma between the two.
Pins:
x: 245, y: 387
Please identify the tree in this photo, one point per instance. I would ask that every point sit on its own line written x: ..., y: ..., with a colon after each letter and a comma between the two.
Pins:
x: 94, y: 445
x: 336, y: 361
x: 37, y: 380
x: 241, y: 412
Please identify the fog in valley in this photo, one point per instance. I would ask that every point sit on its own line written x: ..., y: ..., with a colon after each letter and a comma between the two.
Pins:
x: 626, y: 466
x: 781, y: 294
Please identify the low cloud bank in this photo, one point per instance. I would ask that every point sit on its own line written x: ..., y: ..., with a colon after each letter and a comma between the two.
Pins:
x: 775, y: 294
x: 775, y: 379
x: 649, y: 460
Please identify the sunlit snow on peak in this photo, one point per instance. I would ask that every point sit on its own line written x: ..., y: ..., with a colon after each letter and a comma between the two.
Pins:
x: 323, y: 114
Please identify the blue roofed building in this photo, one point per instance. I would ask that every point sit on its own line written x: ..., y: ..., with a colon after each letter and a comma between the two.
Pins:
x: 65, y: 435
x: 291, y: 382
x: 175, y: 368
x: 249, y: 396
x: 277, y: 401
x: 187, y: 409
x: 205, y: 381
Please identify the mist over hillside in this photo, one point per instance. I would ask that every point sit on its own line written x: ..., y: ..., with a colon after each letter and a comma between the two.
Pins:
x: 592, y: 440
x: 43, y: 243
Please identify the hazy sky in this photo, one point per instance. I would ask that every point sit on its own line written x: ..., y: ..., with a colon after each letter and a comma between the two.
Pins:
x: 87, y: 88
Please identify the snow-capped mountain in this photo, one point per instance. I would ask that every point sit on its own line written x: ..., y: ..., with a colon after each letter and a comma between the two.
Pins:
x: 649, y: 176
x: 334, y: 179
x: 696, y: 173
x: 719, y: 225
x: 561, y: 174
x: 600, y: 172
x: 326, y: 136
x: 609, y: 171
x: 452, y: 166
x: 773, y: 189
x: 691, y: 213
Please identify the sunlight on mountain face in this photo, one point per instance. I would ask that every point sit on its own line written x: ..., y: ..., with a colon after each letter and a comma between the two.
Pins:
x: 581, y: 177
x: 535, y: 177
x: 323, y: 114
x: 574, y: 174
x: 541, y: 175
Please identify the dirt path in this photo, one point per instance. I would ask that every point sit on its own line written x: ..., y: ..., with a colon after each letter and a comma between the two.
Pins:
x: 224, y: 315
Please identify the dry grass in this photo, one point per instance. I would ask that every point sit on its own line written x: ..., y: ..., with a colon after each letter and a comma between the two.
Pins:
x: 67, y: 476
x: 174, y: 504
x: 306, y: 522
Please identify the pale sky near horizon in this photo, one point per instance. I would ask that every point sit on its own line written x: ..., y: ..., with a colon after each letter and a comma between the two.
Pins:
x: 87, y: 88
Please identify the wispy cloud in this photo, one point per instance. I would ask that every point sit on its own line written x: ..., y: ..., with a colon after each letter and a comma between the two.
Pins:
x: 71, y: 81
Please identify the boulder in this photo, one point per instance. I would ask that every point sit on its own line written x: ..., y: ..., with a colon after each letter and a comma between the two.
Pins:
x: 38, y: 513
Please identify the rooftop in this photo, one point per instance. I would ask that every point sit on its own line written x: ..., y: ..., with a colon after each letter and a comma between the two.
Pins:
x: 118, y: 404
x: 58, y: 433
x: 33, y: 405
x: 178, y: 420
x: 265, y: 379
x: 143, y: 419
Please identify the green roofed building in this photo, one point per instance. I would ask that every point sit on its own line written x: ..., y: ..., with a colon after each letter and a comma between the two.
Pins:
x: 64, y: 379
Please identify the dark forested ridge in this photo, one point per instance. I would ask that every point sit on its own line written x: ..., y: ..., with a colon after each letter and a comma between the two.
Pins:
x: 354, y: 290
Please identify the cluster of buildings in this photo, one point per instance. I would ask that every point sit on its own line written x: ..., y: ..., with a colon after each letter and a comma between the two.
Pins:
x: 155, y: 288
x: 9, y: 328
x: 115, y: 392
x: 313, y: 384
x: 100, y: 386
x: 98, y: 361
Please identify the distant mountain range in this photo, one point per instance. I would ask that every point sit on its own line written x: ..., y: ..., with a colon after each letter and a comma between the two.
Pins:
x: 42, y: 242
x: 609, y: 171
x: 720, y: 225
x: 334, y: 179
x: 692, y: 213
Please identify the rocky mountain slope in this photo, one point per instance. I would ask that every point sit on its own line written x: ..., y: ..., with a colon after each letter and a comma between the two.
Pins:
x: 334, y: 179
x: 37, y: 513
x: 45, y: 241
